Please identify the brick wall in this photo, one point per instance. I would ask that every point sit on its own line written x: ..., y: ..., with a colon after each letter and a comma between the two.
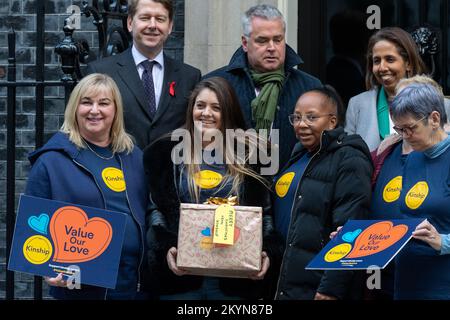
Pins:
x: 21, y: 15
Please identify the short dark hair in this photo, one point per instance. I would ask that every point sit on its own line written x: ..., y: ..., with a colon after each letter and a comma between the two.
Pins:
x: 332, y: 97
x: 406, y: 48
x: 168, y: 4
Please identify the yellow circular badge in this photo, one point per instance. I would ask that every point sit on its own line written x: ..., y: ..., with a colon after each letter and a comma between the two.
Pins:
x: 338, y: 252
x: 207, y: 179
x: 114, y: 179
x: 37, y: 249
x: 283, y: 184
x: 417, y: 195
x: 393, y: 189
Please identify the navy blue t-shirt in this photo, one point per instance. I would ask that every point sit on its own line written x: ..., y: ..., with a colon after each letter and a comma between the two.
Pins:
x: 421, y: 272
x: 285, y: 189
x: 212, y: 180
x: 386, y: 194
x: 110, y: 179
x: 385, y: 204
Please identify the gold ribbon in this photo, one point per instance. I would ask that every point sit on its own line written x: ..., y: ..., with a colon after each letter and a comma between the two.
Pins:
x: 232, y: 201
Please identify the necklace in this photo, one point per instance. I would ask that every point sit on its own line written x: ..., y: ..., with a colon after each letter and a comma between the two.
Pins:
x: 104, y: 158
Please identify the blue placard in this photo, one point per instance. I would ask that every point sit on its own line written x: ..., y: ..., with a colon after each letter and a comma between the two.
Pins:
x: 363, y: 244
x: 52, y: 237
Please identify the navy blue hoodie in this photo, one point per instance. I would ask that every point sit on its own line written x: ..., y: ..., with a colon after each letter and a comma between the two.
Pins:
x: 56, y: 174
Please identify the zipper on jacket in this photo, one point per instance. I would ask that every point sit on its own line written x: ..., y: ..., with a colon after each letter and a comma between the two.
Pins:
x: 96, y: 183
x: 140, y: 231
x: 132, y: 213
x: 292, y: 209
x: 103, y: 198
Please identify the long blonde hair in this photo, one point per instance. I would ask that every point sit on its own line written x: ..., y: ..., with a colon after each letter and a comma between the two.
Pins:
x: 231, y: 118
x: 424, y: 79
x: 92, y: 84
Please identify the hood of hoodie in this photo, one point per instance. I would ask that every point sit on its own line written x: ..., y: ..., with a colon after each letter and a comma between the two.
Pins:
x: 239, y: 59
x: 333, y: 140
x: 58, y: 142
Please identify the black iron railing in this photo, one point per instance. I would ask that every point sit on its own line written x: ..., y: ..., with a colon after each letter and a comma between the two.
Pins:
x: 112, y: 40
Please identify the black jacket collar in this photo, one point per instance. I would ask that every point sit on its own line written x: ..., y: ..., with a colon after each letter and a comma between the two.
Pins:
x: 331, y: 141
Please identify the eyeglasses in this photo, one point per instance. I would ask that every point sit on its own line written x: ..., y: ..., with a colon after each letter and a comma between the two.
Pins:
x: 409, y: 130
x: 307, y: 118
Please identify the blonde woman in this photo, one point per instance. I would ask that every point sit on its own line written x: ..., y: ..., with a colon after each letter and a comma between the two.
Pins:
x: 69, y: 168
x: 213, y: 107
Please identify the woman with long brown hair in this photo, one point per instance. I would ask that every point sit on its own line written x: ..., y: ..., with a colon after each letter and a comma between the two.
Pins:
x: 210, y: 165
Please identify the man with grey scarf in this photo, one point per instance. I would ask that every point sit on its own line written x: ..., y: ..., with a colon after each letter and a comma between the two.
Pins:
x: 264, y: 75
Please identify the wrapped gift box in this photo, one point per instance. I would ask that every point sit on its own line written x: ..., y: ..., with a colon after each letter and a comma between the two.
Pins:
x: 197, y: 252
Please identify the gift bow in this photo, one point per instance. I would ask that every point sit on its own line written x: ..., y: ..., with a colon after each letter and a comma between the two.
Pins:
x: 232, y: 201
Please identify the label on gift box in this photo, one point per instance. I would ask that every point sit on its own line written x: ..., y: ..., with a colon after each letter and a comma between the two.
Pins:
x: 224, y: 223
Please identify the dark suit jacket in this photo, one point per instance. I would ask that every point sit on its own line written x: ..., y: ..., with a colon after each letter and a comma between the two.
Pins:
x: 171, y: 111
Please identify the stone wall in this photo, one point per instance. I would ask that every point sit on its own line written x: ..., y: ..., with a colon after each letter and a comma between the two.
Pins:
x: 21, y: 16
x: 213, y: 29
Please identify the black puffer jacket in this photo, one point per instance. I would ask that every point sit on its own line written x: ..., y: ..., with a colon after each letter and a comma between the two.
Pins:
x: 335, y: 187
x: 162, y: 229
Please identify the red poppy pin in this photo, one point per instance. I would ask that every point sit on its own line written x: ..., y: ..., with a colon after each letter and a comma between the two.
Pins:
x: 172, y: 88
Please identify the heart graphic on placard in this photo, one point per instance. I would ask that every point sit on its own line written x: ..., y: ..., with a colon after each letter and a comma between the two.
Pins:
x: 377, y: 238
x: 77, y: 238
x: 40, y: 223
x: 351, y: 235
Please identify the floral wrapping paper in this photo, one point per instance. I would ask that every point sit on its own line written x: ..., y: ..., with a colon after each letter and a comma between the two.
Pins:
x: 200, y: 256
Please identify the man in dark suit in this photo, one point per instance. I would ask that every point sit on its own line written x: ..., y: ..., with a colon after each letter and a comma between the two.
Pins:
x: 154, y: 94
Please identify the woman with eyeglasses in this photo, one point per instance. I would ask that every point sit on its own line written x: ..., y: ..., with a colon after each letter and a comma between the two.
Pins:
x: 325, y: 183
x: 422, y: 266
x: 389, y: 159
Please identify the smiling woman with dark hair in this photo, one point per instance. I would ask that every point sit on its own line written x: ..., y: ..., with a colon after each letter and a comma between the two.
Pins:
x: 392, y: 56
